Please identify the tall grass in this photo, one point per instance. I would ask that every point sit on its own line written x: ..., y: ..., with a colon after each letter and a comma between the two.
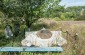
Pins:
x: 73, y: 47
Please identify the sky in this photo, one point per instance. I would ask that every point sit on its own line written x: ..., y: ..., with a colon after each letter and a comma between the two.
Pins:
x: 68, y: 3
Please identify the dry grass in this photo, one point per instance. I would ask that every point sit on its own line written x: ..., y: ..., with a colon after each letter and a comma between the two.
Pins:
x: 74, y: 47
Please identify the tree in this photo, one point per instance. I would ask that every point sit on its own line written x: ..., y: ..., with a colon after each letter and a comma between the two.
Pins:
x: 6, y: 8
x: 75, y: 12
x: 32, y: 10
x: 53, y: 9
x: 29, y: 10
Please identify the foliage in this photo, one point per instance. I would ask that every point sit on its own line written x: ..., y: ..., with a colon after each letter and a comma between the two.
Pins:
x: 27, y: 12
x: 75, y: 12
x: 31, y: 10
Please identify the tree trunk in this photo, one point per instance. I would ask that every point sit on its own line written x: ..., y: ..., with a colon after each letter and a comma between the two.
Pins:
x: 29, y: 26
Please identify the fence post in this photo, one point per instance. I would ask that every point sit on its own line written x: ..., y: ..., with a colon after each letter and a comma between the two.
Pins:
x: 75, y: 46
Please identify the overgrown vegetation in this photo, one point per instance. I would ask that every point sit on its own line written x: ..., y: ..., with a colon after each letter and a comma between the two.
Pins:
x: 74, y: 47
x: 36, y: 14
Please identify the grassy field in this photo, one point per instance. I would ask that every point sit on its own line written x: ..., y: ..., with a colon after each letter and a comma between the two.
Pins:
x: 73, y: 47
